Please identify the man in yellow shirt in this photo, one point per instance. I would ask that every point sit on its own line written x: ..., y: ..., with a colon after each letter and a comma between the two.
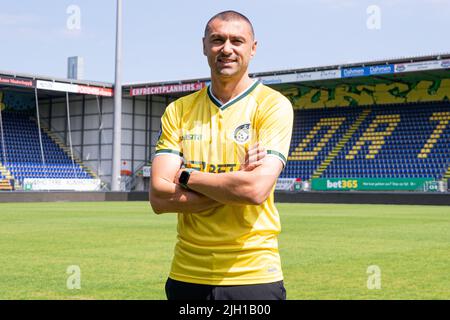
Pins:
x: 220, y: 153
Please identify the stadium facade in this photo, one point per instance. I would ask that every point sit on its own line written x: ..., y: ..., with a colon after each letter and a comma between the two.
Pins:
x: 377, y: 126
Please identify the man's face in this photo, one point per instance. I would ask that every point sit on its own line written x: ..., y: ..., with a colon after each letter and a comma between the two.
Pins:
x: 229, y: 47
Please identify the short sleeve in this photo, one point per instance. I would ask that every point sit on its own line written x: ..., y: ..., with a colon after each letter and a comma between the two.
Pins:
x: 169, y: 141
x: 274, y: 127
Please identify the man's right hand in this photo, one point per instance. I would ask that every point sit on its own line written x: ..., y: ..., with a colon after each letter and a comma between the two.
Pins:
x: 254, y: 157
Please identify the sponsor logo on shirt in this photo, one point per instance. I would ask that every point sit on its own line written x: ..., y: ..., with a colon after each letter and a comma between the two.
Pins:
x: 196, y: 137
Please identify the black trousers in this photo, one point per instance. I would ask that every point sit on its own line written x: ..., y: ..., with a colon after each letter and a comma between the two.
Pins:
x: 178, y: 290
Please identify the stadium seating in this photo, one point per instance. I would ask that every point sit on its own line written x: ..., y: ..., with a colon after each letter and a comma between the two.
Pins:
x: 395, y: 141
x: 384, y: 141
x: 315, y: 134
x: 22, y: 156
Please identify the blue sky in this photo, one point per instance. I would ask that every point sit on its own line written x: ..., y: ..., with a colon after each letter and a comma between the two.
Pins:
x: 162, y: 39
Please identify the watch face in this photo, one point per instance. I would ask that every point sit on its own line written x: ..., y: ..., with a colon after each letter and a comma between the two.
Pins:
x: 184, y: 177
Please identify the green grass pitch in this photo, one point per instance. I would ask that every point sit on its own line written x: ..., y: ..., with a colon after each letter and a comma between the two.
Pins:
x: 124, y: 251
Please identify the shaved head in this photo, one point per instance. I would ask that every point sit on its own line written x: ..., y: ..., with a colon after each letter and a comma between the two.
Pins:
x: 229, y: 15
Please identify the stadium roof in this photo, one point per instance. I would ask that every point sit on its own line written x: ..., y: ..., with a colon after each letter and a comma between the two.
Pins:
x: 51, y: 86
x: 381, y: 71
x: 55, y: 79
x: 397, y: 60
x: 409, y: 69
x: 441, y: 56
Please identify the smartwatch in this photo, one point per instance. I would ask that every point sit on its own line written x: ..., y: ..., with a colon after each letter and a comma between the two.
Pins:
x: 184, y: 178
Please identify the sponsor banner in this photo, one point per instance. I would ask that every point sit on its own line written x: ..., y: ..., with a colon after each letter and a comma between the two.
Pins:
x: 327, y: 74
x: 284, y: 78
x: 367, y: 71
x: 381, y: 69
x: 434, y: 186
x: 354, y: 72
x: 302, y: 76
x: 18, y: 82
x: 96, y: 91
x: 61, y: 184
x: 285, y: 184
x: 56, y: 86
x: 423, y: 65
x: 373, y: 184
x: 74, y: 88
x: 165, y: 89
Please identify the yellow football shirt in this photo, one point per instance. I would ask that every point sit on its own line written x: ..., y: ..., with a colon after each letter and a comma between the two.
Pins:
x: 231, y: 244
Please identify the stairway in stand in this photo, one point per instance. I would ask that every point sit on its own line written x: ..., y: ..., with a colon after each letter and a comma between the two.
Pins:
x: 5, y: 179
x: 341, y: 143
x: 67, y: 151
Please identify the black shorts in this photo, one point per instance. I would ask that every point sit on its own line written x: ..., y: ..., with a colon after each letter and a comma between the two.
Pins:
x: 178, y: 290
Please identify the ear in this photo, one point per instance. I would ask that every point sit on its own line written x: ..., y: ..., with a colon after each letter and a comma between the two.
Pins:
x: 254, y: 45
x: 204, y: 47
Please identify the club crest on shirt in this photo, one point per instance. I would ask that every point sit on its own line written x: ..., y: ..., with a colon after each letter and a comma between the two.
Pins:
x: 242, y: 133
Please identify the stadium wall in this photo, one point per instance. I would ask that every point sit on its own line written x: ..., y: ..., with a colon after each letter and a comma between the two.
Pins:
x: 70, y: 196
x: 403, y: 198
x: 397, y: 198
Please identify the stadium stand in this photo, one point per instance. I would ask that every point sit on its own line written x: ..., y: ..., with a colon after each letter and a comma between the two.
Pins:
x: 381, y: 141
x: 315, y: 134
x: 21, y: 156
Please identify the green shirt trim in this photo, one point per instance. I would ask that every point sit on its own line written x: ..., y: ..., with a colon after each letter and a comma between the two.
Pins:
x: 277, y: 154
x: 232, y: 101
x: 169, y: 151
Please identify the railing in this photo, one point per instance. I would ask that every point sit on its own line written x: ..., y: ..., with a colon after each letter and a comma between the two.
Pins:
x: 128, y: 183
